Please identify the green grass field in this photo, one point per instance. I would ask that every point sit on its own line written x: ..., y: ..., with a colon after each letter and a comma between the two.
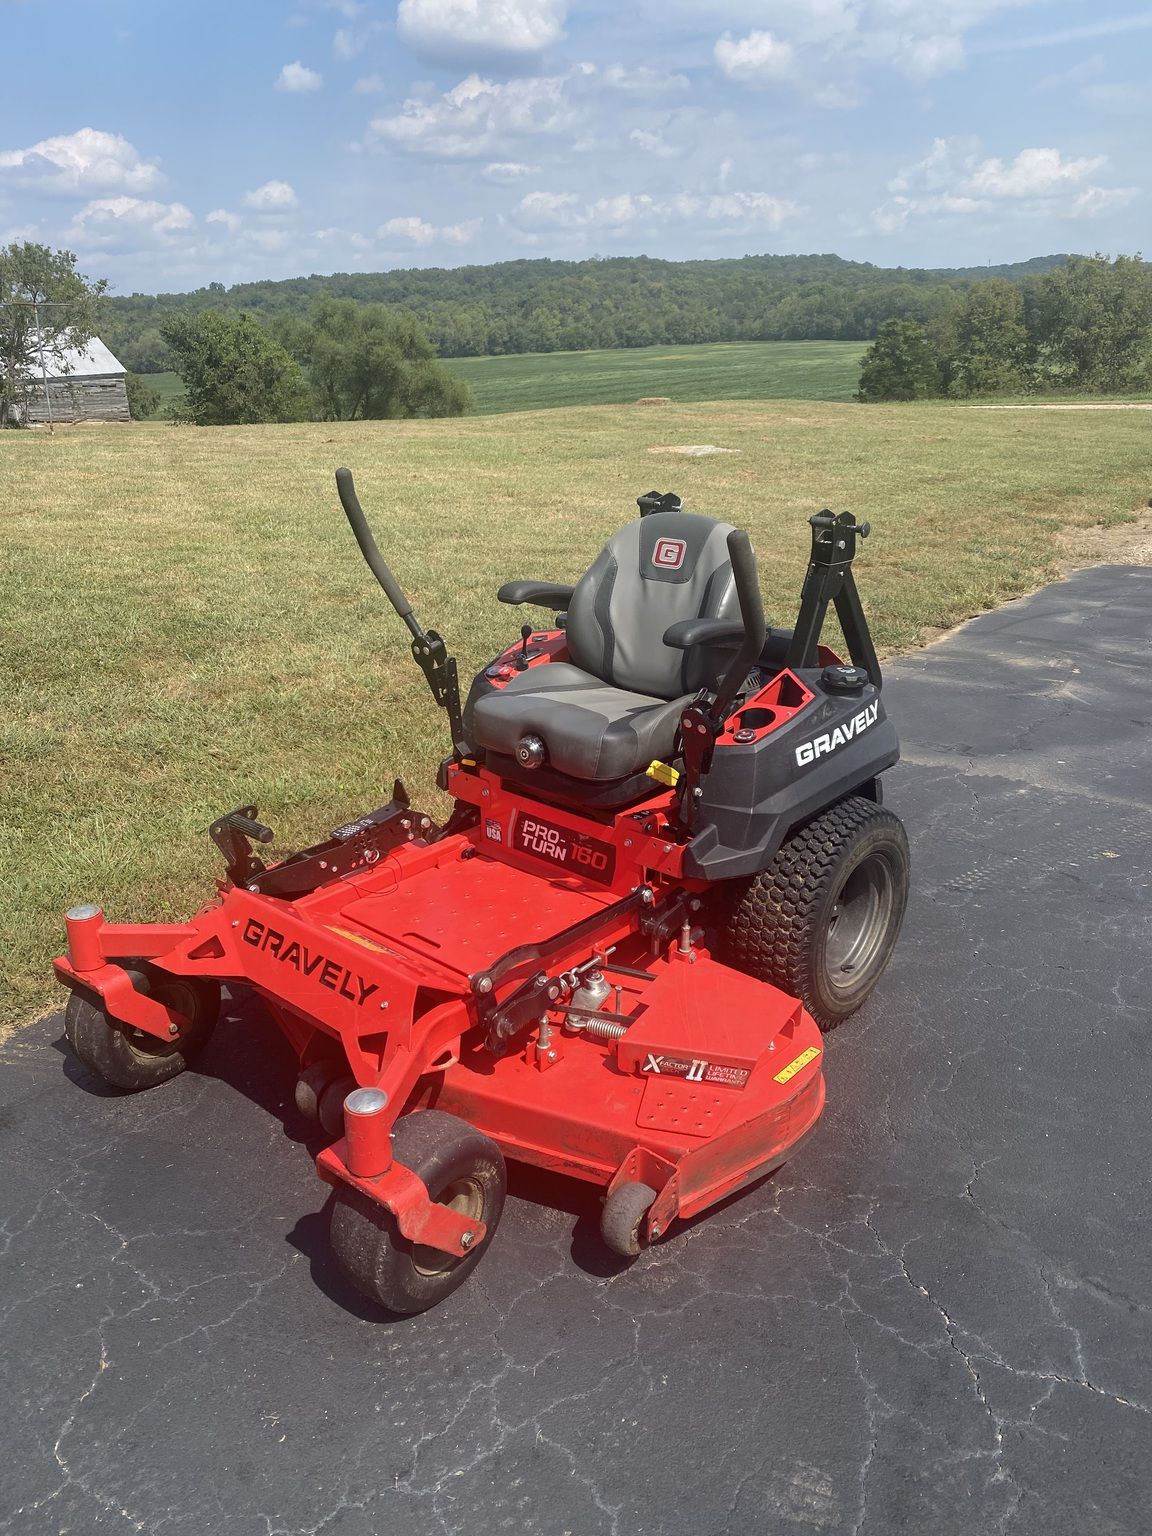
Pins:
x: 745, y: 370
x: 186, y: 624
x: 168, y: 386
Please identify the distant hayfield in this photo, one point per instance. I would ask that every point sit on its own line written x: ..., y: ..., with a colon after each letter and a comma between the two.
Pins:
x: 738, y: 370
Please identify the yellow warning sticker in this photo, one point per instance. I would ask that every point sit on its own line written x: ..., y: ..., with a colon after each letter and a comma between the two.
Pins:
x: 358, y: 938
x: 786, y: 1074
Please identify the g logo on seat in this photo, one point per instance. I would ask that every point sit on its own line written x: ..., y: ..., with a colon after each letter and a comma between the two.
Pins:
x: 669, y: 554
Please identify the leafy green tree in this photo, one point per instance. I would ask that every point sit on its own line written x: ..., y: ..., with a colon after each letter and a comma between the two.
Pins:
x: 143, y: 400
x: 991, y: 341
x: 234, y: 372
x: 370, y: 362
x: 44, y: 302
x: 1091, y: 323
x: 899, y: 365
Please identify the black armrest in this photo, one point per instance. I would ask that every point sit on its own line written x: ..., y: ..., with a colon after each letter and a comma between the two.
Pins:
x: 686, y: 633
x: 544, y: 594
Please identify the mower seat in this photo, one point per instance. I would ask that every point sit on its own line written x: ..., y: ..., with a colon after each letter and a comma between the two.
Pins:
x: 616, y: 705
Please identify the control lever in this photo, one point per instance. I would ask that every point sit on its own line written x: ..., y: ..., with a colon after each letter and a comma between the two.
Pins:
x: 520, y: 660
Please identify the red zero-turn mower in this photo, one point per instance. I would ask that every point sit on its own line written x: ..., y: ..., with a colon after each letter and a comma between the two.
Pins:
x: 666, y: 870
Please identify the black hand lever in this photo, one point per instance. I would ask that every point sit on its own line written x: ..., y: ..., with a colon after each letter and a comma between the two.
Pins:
x: 521, y: 661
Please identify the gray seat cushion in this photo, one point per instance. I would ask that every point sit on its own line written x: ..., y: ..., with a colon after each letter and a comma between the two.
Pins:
x: 591, y: 730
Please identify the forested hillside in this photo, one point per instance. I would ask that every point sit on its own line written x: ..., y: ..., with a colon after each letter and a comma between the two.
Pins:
x: 549, y: 306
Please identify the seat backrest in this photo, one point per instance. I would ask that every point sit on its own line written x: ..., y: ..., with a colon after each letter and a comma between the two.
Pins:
x: 657, y: 570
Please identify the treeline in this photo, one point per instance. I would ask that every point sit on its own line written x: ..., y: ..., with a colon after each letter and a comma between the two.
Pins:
x: 1085, y: 326
x: 549, y: 306
x: 343, y: 362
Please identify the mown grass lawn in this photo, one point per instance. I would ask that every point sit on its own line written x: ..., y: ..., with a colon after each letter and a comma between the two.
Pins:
x: 186, y: 624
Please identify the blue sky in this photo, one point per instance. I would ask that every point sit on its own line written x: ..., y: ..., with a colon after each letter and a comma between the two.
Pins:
x: 173, y: 144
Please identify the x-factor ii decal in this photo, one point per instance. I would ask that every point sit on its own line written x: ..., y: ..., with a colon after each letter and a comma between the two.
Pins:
x: 695, y: 1070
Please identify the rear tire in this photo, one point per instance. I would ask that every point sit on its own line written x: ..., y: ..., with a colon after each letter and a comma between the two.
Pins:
x: 822, y: 920
x: 461, y: 1167
x: 131, y: 1059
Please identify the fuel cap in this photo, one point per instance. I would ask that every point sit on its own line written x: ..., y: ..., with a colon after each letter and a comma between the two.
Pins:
x: 842, y: 679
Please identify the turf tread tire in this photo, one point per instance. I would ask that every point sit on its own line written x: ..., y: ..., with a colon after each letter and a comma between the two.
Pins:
x: 109, y: 1048
x: 366, y: 1242
x: 776, y: 925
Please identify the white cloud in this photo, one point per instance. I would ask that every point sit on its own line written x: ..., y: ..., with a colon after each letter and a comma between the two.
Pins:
x: 86, y: 161
x: 1096, y: 200
x: 1033, y: 173
x: 456, y: 30
x: 507, y: 172
x: 730, y: 210
x: 297, y: 78
x: 758, y: 59
x: 923, y: 58
x: 127, y: 221
x: 350, y: 41
x: 370, y: 85
x: 231, y: 221
x: 642, y: 78
x: 953, y: 180
x: 272, y: 197
x: 837, y: 98
x: 269, y: 239
x: 653, y: 143
x: 478, y: 117
x: 420, y: 232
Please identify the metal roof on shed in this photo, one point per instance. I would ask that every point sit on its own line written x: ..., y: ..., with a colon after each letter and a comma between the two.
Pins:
x: 77, y: 362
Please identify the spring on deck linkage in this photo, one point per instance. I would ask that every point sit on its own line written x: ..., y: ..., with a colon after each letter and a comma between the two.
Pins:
x: 600, y: 1029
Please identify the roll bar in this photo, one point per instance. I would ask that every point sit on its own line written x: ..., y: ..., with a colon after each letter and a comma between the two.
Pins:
x: 743, y: 559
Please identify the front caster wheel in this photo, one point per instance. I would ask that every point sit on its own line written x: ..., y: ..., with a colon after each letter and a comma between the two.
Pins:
x: 622, y: 1219
x: 463, y: 1169
x: 822, y: 920
x: 131, y: 1059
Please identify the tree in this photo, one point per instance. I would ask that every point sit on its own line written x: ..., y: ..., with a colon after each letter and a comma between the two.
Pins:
x: 234, y: 372
x: 1091, y: 323
x: 371, y: 362
x: 143, y: 400
x: 991, y: 341
x: 44, y: 304
x: 899, y: 365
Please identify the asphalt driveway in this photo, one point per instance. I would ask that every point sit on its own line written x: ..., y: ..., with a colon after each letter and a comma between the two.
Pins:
x: 937, y: 1319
